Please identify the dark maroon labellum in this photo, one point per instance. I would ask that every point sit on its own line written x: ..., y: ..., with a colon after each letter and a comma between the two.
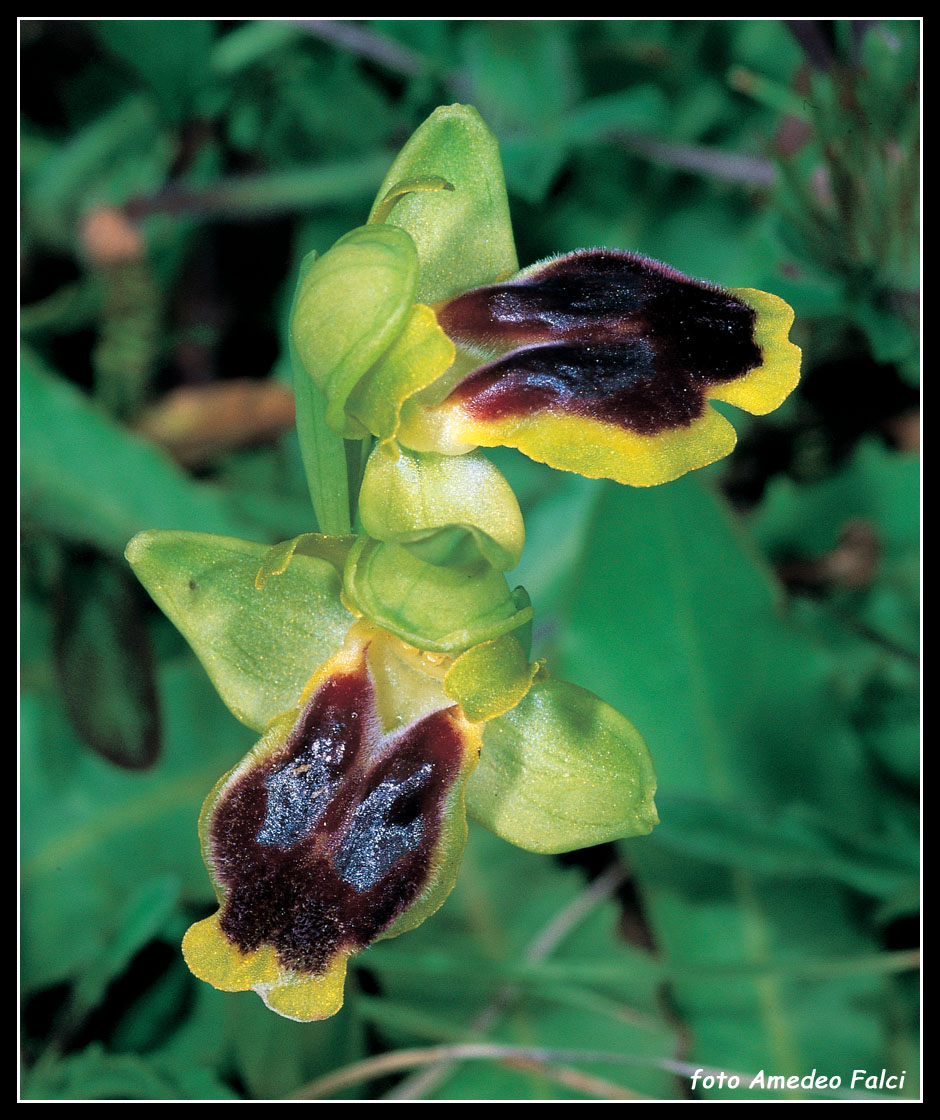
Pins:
x: 604, y: 334
x: 321, y: 846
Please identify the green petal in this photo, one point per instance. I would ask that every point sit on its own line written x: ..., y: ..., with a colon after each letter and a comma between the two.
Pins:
x: 258, y: 647
x: 464, y: 235
x: 441, y: 609
x: 490, y: 678
x: 383, y: 207
x: 334, y: 550
x: 416, y: 359
x: 445, y: 509
x: 562, y: 770
x: 351, y: 305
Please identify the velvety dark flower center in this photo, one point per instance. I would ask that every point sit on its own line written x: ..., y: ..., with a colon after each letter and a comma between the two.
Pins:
x: 327, y: 841
x: 603, y: 334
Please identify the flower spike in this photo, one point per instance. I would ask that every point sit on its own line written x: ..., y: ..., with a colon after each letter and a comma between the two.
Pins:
x: 347, y: 821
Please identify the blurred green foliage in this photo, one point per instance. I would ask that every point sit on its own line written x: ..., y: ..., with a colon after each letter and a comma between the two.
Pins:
x: 758, y: 621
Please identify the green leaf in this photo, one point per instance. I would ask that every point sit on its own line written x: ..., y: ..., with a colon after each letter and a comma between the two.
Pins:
x: 464, y: 236
x: 891, y: 338
x: 532, y: 164
x: 96, y: 1075
x: 550, y: 565
x: 258, y: 647
x: 119, y: 154
x: 881, y: 489
x: 270, y: 1055
x: 143, y: 917
x: 524, y: 78
x: 794, y: 843
x: 171, y: 56
x: 562, y: 770
x: 86, y: 479
x: 446, y: 509
x: 105, y: 661
x: 93, y: 836
x: 523, y: 73
x: 521, y: 954
x: 146, y: 1021
x: 253, y: 42
x: 878, y: 485
x: 680, y: 625
x: 640, y: 108
x: 440, y: 609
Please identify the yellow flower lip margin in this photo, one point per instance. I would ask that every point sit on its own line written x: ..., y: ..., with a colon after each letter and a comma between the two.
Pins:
x: 272, y: 947
x: 595, y: 449
x: 765, y: 388
x: 211, y: 957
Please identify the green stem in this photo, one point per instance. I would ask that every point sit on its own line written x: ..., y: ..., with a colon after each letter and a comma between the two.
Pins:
x: 322, y: 450
x: 357, y: 455
x: 324, y: 456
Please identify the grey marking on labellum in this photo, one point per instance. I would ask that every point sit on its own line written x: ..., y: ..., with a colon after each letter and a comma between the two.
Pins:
x: 380, y: 831
x: 300, y: 792
x: 326, y: 842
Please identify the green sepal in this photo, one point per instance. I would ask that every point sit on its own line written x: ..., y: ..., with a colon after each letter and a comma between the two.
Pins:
x: 350, y: 306
x: 418, y: 357
x: 490, y: 679
x: 439, y: 609
x: 463, y: 236
x: 445, y: 509
x: 562, y: 770
x: 258, y: 647
x: 334, y: 550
